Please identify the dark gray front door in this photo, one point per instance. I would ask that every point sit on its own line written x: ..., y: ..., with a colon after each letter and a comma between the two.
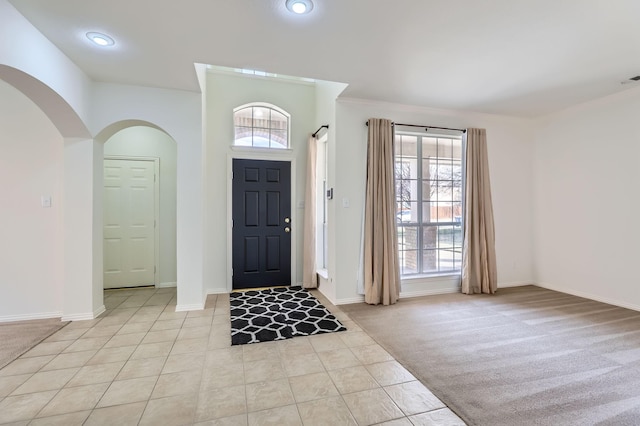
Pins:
x: 261, y: 236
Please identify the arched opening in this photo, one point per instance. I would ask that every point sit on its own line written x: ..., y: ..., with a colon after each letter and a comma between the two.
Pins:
x: 139, y: 206
x: 61, y: 114
x: 36, y: 127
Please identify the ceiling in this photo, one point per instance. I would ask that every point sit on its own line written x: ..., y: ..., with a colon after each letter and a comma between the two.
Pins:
x: 523, y: 58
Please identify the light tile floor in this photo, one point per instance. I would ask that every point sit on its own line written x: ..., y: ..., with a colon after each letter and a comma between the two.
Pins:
x: 143, y: 363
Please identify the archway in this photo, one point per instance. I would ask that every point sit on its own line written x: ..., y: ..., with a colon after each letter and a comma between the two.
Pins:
x: 61, y: 114
x: 145, y: 147
x: 73, y: 295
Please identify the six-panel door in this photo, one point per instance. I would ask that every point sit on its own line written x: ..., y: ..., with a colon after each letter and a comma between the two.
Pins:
x: 261, y: 235
x: 129, y: 223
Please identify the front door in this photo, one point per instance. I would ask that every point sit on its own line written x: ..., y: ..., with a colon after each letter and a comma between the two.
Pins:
x: 129, y: 223
x: 261, y: 236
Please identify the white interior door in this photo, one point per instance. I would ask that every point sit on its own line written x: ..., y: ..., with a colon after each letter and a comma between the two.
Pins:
x: 129, y: 223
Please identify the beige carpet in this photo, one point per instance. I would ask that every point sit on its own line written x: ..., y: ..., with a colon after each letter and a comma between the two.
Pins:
x: 18, y: 337
x: 525, y: 356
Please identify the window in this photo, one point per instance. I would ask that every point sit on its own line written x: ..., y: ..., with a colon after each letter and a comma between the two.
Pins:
x: 428, y: 171
x: 261, y: 126
x: 322, y: 204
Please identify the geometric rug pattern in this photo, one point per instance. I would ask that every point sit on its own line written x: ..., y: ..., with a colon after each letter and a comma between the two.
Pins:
x: 278, y: 314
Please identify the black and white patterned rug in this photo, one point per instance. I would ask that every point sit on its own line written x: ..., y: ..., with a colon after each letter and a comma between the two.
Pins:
x: 277, y: 314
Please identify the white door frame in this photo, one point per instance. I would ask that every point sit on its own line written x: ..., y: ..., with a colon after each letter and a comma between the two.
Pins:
x: 268, y: 155
x: 156, y: 208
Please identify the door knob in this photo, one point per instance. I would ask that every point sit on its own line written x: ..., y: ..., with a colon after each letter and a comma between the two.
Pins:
x: 287, y: 229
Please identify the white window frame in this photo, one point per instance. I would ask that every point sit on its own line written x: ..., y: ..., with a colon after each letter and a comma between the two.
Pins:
x: 270, y: 107
x: 322, y: 205
x: 420, y: 224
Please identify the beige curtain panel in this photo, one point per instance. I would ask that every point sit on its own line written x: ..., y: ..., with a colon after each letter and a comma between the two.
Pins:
x: 310, y: 277
x: 381, y: 268
x: 479, y: 271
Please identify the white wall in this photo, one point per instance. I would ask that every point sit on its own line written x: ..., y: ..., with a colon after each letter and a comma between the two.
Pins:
x: 586, y: 178
x: 143, y: 141
x: 31, y: 256
x: 224, y: 93
x: 509, y: 143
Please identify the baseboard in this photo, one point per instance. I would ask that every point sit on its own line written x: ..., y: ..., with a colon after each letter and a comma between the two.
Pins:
x: 192, y: 307
x: 403, y: 295
x: 514, y: 284
x: 327, y: 289
x: 85, y: 316
x: 27, y: 317
x: 589, y: 296
x: 409, y: 294
x: 217, y: 291
x: 167, y: 285
x: 349, y: 300
x: 101, y: 310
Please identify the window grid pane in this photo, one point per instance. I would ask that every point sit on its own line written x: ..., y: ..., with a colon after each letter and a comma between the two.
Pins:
x: 428, y: 174
x: 261, y: 127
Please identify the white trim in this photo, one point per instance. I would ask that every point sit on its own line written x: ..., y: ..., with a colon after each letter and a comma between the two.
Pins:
x: 347, y: 301
x: 403, y: 295
x: 192, y: 307
x: 85, y: 316
x: 26, y: 317
x: 260, y: 155
x: 589, y: 296
x: 410, y: 294
x: 514, y: 284
x: 217, y: 291
x: 102, y: 309
x: 256, y: 74
x: 431, y: 278
x: 167, y: 285
x: 156, y: 208
x: 268, y: 153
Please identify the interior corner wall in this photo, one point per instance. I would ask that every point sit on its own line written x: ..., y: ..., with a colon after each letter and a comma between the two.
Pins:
x: 509, y: 143
x: 586, y: 177
x: 224, y: 93
x: 143, y: 141
x: 30, y: 167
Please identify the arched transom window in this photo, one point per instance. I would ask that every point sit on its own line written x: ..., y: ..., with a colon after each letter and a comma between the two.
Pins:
x: 261, y: 125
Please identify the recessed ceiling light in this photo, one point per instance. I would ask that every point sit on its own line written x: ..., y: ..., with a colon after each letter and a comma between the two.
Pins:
x: 100, y: 39
x: 300, y: 6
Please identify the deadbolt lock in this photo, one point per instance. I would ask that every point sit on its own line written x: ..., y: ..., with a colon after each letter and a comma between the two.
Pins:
x: 287, y: 220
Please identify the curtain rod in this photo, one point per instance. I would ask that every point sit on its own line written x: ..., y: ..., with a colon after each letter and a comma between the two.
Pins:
x: 426, y: 127
x: 324, y: 126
